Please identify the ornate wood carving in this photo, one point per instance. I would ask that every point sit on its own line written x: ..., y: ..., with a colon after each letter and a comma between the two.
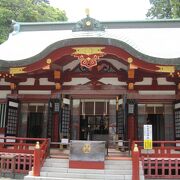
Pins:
x: 88, y: 24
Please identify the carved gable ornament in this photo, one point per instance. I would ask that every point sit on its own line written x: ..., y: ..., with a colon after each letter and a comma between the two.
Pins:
x: 88, y: 56
x: 88, y: 24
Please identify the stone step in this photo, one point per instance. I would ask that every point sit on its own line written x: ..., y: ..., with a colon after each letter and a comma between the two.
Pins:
x: 128, y: 177
x: 86, y: 171
x: 71, y: 170
x: 51, y: 178
x: 56, y: 164
x: 55, y: 169
x: 117, y: 167
x: 118, y: 162
x: 118, y: 172
x: 85, y: 176
x: 57, y: 160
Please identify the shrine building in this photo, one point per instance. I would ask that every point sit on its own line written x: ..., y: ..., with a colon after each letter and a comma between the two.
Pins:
x: 91, y: 80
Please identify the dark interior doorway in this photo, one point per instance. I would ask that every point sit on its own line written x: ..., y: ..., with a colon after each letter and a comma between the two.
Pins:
x: 157, y: 121
x: 94, y: 127
x: 35, y: 124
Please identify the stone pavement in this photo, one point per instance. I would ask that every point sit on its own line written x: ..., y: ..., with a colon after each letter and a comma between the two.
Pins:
x: 9, y: 177
x: 17, y: 176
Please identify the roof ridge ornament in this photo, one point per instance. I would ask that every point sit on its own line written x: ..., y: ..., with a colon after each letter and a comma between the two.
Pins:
x: 88, y: 24
x: 16, y: 27
x: 87, y: 12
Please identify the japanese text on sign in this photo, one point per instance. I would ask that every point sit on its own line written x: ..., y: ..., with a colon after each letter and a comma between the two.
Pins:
x: 147, y: 136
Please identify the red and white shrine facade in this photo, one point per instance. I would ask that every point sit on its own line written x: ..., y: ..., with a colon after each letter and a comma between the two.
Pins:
x: 91, y: 80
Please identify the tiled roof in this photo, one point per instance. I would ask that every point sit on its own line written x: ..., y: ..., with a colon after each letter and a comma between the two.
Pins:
x: 151, y: 40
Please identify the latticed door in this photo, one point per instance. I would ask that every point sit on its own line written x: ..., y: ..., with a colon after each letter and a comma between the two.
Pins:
x: 120, y: 118
x: 50, y: 118
x: 65, y: 117
x: 177, y: 120
x: 12, y: 117
x: 59, y: 116
x: 54, y: 119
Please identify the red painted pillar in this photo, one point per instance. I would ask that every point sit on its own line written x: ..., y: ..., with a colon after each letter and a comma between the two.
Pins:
x: 37, y: 160
x: 56, y: 128
x: 135, y: 163
x: 132, y: 128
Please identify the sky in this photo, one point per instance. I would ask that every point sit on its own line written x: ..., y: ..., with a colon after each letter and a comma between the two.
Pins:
x: 103, y: 10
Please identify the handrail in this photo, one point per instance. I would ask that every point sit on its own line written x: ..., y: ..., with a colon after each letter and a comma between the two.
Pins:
x: 44, y: 150
x: 40, y: 154
x: 19, y: 145
x: 168, y: 149
x: 24, y: 148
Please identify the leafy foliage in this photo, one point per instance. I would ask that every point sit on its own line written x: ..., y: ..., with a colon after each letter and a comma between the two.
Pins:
x: 26, y: 11
x: 164, y: 9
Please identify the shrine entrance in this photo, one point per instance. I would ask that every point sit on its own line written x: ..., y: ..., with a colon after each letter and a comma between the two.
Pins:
x: 35, y: 121
x: 94, y: 127
x: 157, y: 121
x: 94, y: 120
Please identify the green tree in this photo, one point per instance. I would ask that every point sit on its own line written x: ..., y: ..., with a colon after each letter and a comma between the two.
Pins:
x: 164, y: 9
x: 26, y: 11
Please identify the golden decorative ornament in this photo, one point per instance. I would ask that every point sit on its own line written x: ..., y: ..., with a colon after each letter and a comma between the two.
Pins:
x: 86, y: 148
x: 37, y: 146
x: 57, y: 86
x: 88, y: 23
x: 130, y: 60
x: 17, y: 70
x: 168, y: 69
x: 135, y: 148
x: 12, y: 86
x: 87, y: 11
x: 131, y: 86
x: 48, y: 61
x: 88, y: 56
x: 131, y: 73
x: 57, y: 74
x: 88, y: 50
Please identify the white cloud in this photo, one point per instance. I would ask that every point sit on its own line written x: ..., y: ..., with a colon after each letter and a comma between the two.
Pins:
x: 104, y: 10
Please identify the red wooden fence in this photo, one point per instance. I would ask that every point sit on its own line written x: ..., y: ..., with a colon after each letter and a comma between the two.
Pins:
x: 161, y: 168
x: 23, y: 151
x: 163, y: 161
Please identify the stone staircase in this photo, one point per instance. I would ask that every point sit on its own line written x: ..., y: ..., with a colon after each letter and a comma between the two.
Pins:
x: 57, y: 169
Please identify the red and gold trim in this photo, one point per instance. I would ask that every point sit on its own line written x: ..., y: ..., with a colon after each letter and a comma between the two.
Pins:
x: 88, y: 56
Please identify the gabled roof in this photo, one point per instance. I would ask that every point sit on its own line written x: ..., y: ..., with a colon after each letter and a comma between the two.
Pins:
x: 153, y: 41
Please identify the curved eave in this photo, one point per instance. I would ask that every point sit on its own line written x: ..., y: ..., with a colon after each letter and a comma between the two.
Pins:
x: 85, y: 41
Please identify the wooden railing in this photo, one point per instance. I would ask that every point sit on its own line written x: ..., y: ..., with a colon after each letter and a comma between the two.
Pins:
x: 167, y: 149
x: 23, y: 150
x: 162, y: 161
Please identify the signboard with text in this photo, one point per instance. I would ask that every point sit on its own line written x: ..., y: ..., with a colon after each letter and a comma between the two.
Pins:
x: 147, y: 136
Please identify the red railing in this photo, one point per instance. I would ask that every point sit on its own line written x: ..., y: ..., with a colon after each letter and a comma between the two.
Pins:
x: 161, y: 168
x: 162, y: 161
x: 23, y: 151
x: 135, y: 163
x: 40, y: 154
x: 166, y: 149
